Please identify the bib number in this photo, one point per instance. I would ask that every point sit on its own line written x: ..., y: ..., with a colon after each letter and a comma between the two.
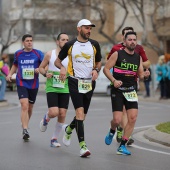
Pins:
x: 57, y: 82
x: 28, y: 73
x: 131, y: 96
x: 84, y: 86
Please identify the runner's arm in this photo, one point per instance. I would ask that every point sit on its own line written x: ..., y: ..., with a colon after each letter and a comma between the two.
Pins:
x: 63, y: 72
x: 44, y: 64
x: 110, y: 64
x: 141, y: 73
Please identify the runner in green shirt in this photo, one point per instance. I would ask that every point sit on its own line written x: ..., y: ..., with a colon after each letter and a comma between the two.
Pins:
x: 56, y: 90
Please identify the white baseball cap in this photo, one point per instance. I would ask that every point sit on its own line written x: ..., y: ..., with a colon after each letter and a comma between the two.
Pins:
x: 85, y: 22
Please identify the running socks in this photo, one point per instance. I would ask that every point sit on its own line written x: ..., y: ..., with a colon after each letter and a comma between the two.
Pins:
x: 80, y: 129
x: 70, y: 127
x: 124, y: 141
x: 79, y: 126
x: 112, y: 131
x: 58, y: 129
x: 73, y: 123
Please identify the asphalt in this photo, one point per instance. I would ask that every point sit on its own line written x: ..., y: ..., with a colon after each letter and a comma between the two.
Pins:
x: 152, y: 134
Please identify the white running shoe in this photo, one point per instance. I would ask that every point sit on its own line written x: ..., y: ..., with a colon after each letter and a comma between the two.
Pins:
x: 66, y: 138
x: 84, y: 152
x: 54, y: 143
x: 43, y: 124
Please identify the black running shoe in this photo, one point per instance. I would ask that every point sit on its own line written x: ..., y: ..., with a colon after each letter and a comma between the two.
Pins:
x: 130, y: 141
x: 119, y: 134
x: 26, y: 135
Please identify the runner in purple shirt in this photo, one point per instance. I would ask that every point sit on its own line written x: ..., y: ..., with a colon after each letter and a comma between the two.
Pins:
x: 26, y: 64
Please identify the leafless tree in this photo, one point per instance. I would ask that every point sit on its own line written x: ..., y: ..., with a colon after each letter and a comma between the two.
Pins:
x: 7, y: 39
x: 139, y: 10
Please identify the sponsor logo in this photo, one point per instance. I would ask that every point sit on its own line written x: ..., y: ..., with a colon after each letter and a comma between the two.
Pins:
x: 27, y: 61
x: 129, y: 66
x: 83, y: 55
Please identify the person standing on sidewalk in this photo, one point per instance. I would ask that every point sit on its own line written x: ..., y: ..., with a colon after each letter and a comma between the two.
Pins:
x: 26, y: 63
x: 4, y: 71
x: 146, y: 63
x: 147, y: 84
x: 56, y: 90
x: 127, y: 64
x: 83, y: 67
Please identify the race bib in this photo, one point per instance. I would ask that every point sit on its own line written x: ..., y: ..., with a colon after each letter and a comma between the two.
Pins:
x: 28, y: 73
x: 84, y: 86
x: 57, y: 82
x: 131, y: 96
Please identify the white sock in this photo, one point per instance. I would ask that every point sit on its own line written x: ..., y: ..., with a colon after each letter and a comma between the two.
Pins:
x: 58, y: 129
x: 47, y: 118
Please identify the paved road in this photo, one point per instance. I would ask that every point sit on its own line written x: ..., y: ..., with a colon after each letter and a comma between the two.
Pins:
x: 37, y: 154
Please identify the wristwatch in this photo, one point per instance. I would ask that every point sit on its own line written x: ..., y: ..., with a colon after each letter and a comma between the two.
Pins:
x: 96, y: 70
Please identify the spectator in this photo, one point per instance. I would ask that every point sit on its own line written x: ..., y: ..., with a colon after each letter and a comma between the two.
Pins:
x: 4, y: 70
x: 161, y: 75
x: 147, y: 84
x: 167, y: 80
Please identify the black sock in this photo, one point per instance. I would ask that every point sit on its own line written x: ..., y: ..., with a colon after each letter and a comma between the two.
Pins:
x: 80, y: 129
x: 72, y: 124
x: 123, y: 142
x: 112, y: 131
x: 119, y: 128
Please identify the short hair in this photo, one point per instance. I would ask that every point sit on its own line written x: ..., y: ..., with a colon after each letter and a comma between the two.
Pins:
x: 129, y: 33
x: 26, y: 36
x: 127, y: 28
x: 59, y: 35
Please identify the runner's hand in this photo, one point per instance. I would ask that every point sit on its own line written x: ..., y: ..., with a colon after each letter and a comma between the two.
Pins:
x: 9, y: 78
x: 49, y: 75
x: 63, y: 75
x: 37, y: 70
x: 94, y: 75
x: 117, y: 83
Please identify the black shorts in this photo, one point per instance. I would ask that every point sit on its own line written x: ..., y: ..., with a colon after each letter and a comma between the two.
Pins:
x: 80, y: 99
x: 60, y: 100
x: 24, y: 92
x: 118, y: 101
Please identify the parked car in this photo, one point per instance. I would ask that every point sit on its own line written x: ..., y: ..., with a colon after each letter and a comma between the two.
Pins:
x: 102, y: 83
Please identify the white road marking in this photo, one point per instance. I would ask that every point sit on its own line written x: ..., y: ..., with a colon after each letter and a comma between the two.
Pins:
x: 147, y: 149
x: 152, y: 150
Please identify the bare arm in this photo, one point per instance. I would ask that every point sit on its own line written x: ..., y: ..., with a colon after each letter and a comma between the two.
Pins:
x: 141, y: 72
x: 146, y: 64
x: 44, y: 65
x: 12, y: 71
x: 110, y: 64
x: 63, y: 72
x: 96, y: 70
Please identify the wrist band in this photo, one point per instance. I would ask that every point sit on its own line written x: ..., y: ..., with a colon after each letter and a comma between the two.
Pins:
x: 96, y: 69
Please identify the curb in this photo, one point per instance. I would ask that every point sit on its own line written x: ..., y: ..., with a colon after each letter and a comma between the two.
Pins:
x: 154, y: 135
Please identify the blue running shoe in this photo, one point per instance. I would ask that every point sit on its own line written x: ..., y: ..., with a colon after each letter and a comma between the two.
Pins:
x: 123, y: 151
x: 54, y: 143
x: 109, y: 138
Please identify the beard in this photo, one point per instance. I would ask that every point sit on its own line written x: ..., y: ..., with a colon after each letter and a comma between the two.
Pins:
x: 84, y: 36
x: 131, y: 47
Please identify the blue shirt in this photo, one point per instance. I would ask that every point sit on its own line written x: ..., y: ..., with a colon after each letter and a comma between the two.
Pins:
x: 27, y: 62
x: 161, y: 72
